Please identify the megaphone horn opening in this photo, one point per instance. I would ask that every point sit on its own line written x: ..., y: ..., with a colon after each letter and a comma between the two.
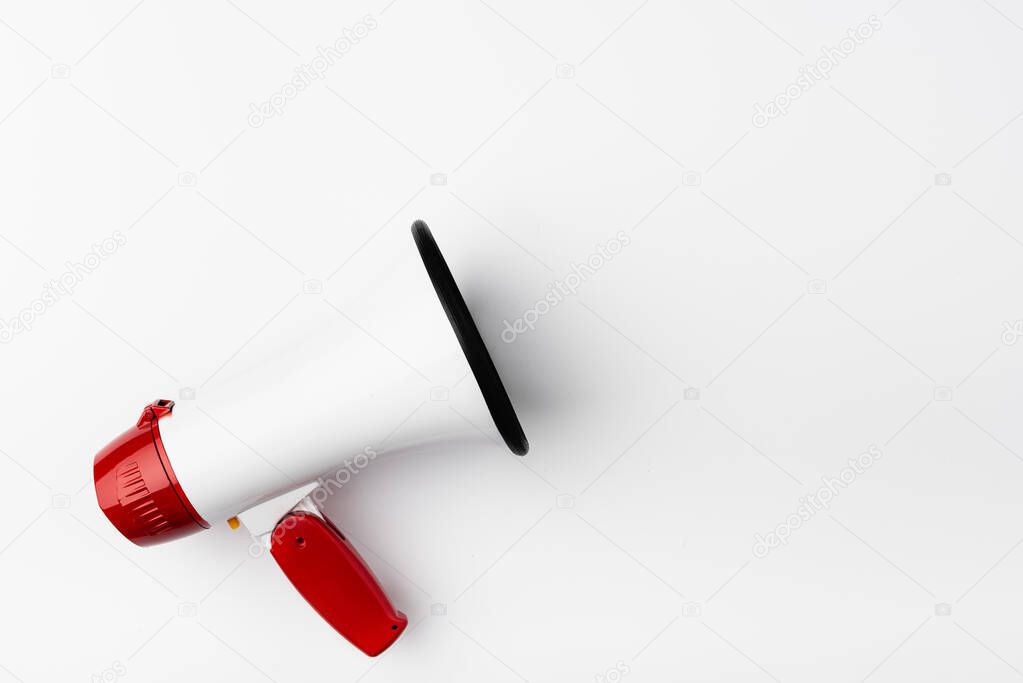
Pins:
x: 480, y: 362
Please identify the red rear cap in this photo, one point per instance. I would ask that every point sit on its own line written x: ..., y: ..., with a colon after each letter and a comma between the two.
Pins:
x: 136, y: 487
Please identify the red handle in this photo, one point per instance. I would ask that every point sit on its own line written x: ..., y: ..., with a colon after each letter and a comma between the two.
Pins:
x: 331, y: 576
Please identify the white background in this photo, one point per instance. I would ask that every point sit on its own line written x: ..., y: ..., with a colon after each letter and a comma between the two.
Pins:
x: 816, y: 284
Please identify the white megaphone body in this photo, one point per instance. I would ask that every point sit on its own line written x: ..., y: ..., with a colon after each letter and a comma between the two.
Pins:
x: 311, y: 399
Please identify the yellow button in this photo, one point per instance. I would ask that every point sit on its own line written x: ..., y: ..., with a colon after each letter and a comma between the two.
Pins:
x: 234, y: 523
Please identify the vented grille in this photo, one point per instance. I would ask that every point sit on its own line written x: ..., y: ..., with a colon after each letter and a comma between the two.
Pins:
x: 133, y: 495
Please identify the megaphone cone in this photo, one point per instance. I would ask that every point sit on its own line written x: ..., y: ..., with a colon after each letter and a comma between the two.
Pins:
x: 311, y: 397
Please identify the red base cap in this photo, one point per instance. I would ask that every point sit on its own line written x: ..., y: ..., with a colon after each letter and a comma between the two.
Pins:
x: 136, y: 487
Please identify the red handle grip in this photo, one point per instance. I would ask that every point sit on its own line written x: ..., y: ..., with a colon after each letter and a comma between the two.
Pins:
x: 331, y: 576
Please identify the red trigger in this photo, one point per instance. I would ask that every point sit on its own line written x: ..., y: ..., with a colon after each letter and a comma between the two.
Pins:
x: 328, y: 572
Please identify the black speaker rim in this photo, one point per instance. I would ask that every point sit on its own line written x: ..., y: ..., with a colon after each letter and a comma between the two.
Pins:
x: 469, y: 338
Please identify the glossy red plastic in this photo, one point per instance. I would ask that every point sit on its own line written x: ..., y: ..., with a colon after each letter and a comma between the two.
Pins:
x: 136, y: 487
x: 332, y: 577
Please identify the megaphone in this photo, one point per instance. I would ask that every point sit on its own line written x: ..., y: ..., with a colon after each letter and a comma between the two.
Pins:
x: 312, y: 397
